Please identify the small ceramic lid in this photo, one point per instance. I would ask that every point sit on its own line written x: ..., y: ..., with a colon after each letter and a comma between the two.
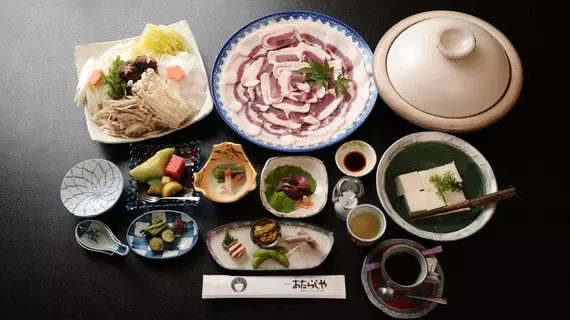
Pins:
x: 448, y: 67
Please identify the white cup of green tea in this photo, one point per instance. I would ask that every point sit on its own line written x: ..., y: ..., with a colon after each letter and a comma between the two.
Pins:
x: 366, y: 224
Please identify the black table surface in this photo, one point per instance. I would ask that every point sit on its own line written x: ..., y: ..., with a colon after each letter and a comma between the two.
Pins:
x: 502, y: 271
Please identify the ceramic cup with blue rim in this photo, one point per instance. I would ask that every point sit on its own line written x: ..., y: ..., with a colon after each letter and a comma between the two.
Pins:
x: 364, y: 209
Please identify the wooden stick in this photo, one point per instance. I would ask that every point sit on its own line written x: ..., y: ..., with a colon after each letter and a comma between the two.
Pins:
x: 442, y: 213
x: 477, y: 202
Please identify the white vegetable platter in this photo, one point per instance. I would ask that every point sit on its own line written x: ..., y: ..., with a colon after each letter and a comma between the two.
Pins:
x: 84, y: 52
x: 284, y: 18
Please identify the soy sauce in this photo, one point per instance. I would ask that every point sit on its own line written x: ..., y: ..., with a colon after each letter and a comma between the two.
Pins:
x: 403, y: 268
x: 354, y: 161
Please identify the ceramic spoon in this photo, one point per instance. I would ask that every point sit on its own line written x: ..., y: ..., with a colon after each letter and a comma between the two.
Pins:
x: 95, y: 236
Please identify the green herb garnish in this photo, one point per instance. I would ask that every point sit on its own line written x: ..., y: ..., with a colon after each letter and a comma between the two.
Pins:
x: 340, y: 84
x: 228, y: 239
x: 317, y: 72
x: 445, y: 182
x: 117, y: 86
x: 321, y: 73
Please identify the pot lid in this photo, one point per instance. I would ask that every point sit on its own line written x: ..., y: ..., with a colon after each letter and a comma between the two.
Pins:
x: 448, y: 67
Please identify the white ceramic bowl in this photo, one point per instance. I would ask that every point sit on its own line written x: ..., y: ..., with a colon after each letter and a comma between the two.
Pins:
x: 362, y: 147
x: 91, y: 188
x: 312, y: 165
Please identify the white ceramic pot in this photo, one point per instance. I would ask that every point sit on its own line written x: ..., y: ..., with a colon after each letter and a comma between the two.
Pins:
x: 447, y: 71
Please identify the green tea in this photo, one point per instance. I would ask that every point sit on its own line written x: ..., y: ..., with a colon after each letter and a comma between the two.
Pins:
x: 365, y: 225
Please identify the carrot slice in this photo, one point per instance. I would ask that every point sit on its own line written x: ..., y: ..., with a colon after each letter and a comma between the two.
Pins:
x: 175, y: 73
x: 96, y: 77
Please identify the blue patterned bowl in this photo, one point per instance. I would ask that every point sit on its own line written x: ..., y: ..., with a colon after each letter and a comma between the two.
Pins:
x: 91, y: 188
x: 182, y: 242
x: 288, y: 17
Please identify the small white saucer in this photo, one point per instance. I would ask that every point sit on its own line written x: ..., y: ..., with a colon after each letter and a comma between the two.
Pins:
x: 362, y: 147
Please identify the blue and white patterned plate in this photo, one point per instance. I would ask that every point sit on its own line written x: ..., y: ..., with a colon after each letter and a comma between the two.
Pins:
x: 91, y: 188
x: 288, y: 17
x: 182, y: 243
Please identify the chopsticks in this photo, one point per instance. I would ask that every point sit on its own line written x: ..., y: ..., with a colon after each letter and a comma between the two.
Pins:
x: 469, y: 204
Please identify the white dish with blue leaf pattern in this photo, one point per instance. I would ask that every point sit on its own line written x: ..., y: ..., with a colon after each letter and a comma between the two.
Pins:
x: 91, y: 188
x: 338, y: 133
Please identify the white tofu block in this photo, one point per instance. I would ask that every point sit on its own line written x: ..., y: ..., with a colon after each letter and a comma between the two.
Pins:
x: 407, y: 183
x: 453, y: 197
x: 415, y: 202
x: 432, y: 200
x: 424, y: 175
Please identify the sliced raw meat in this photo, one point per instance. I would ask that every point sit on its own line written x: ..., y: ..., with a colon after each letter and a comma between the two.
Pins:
x: 311, y: 34
x: 275, y: 129
x: 283, y: 55
x: 285, y: 83
x: 251, y: 93
x: 337, y: 68
x: 251, y: 47
x: 235, y: 67
x: 303, y: 118
x: 303, y: 97
x: 278, y: 68
x: 270, y: 89
x: 304, y: 86
x: 306, y: 52
x: 266, y: 68
x: 262, y: 107
x: 319, y: 92
x: 250, y: 76
x: 250, y: 122
x: 253, y: 114
x: 343, y: 49
x: 237, y: 96
x: 325, y: 106
x: 278, y: 36
x: 279, y: 118
x: 289, y: 105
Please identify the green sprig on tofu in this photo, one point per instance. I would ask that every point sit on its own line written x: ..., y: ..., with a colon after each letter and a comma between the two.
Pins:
x: 445, y: 182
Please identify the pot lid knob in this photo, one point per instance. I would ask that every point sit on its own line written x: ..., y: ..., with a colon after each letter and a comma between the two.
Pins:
x: 455, y: 42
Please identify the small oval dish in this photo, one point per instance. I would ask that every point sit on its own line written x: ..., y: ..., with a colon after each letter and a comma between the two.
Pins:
x: 182, y: 242
x: 212, y: 182
x: 355, y: 158
x: 96, y: 236
x: 232, y: 248
x: 91, y: 188
x: 272, y: 175
x: 258, y: 234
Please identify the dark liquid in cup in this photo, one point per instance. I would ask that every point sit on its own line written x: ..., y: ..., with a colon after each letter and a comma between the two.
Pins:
x: 403, y: 268
x: 354, y: 161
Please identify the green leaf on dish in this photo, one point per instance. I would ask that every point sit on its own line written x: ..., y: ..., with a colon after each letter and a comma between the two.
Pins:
x: 279, y: 200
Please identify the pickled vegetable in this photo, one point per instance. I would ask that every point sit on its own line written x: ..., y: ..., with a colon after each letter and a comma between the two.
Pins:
x: 167, y: 235
x: 156, y: 244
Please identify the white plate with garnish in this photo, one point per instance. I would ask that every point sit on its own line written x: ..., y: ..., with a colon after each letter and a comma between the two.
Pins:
x: 294, y: 187
x: 182, y: 72
x: 301, y: 246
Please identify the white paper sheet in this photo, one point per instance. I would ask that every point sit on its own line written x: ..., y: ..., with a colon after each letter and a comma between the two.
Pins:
x: 307, y: 287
